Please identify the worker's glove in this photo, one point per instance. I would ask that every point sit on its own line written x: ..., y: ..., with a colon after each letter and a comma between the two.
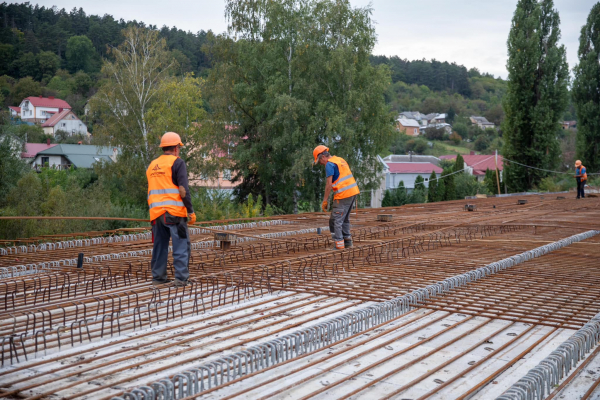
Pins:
x: 324, y: 206
x: 192, y: 218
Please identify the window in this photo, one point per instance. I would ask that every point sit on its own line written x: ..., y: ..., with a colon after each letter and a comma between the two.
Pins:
x: 63, y: 124
x: 45, y: 161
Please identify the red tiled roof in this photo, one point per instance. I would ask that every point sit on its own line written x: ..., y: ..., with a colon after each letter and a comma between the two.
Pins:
x: 413, y: 168
x: 480, y: 163
x: 53, y: 120
x: 17, y: 109
x: 47, y: 102
x: 31, y: 149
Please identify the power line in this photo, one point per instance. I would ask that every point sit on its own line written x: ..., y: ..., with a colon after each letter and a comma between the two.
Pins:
x: 542, y: 169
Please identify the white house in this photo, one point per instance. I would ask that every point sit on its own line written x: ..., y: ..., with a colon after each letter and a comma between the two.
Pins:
x: 478, y: 164
x: 14, y: 111
x: 67, y: 121
x: 64, y: 156
x: 394, y: 172
x: 40, y: 109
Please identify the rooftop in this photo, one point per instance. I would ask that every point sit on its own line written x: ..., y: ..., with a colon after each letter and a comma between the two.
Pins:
x: 47, y: 102
x: 408, y: 123
x: 480, y: 163
x: 81, y: 155
x: 55, y: 119
x: 32, y: 149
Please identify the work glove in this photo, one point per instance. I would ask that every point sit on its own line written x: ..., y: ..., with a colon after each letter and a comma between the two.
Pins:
x: 324, y: 206
x: 192, y: 218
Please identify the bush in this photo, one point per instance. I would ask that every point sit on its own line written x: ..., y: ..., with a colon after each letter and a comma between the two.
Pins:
x: 481, y: 143
x: 455, y: 138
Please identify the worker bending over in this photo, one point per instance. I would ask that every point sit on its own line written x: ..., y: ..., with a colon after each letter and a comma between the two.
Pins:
x: 340, y: 180
x: 170, y: 210
x: 581, y: 176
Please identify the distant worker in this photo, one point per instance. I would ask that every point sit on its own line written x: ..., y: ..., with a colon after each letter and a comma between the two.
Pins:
x: 170, y: 211
x: 340, y: 180
x: 581, y: 176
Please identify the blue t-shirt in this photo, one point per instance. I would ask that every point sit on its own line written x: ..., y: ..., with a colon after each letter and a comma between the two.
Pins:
x: 332, y: 170
x: 580, y: 171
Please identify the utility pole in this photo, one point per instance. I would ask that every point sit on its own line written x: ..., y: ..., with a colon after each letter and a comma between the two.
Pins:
x: 497, y: 178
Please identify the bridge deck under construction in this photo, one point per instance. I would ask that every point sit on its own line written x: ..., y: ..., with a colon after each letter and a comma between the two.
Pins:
x: 432, y: 302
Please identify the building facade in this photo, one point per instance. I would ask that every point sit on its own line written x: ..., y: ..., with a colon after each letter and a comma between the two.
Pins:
x: 40, y: 109
x: 66, y: 121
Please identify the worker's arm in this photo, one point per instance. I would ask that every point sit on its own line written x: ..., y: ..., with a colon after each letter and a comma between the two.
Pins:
x: 328, y: 187
x: 180, y: 179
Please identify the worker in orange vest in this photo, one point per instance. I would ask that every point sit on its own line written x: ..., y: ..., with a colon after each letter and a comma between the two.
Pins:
x: 344, y: 187
x: 581, y: 176
x: 170, y: 211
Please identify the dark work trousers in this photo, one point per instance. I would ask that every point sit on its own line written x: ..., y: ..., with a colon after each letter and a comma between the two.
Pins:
x: 339, y: 221
x: 165, y: 228
x: 580, y: 186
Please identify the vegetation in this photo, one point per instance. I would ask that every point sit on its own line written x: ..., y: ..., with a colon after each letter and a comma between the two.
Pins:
x: 288, y: 87
x: 586, y: 92
x: 537, y: 92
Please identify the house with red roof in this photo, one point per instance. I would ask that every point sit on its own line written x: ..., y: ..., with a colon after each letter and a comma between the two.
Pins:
x: 40, y: 109
x: 66, y: 121
x: 477, y: 164
x: 14, y: 111
x: 397, y: 168
x: 32, y: 149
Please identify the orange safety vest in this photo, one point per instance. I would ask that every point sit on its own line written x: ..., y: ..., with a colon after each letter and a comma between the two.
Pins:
x: 163, y: 195
x: 578, y: 172
x: 345, y: 186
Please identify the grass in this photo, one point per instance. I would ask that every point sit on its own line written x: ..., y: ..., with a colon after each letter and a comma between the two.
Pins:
x: 440, y: 149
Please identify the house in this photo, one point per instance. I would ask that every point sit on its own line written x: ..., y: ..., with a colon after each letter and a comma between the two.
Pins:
x: 406, y: 171
x: 417, y: 116
x: 66, y: 121
x: 32, y: 150
x: 40, y: 109
x: 64, y: 156
x: 438, y: 119
x: 476, y: 165
x: 428, y: 118
x: 408, y: 126
x: 482, y: 122
x: 14, y: 111
x: 447, y: 127
x: 569, y: 124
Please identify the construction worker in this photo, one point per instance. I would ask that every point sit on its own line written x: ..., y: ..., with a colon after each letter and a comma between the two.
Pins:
x: 170, y: 211
x: 340, y: 180
x: 581, y: 176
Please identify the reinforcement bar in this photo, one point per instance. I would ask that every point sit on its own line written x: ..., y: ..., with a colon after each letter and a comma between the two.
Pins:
x: 225, y: 369
x: 538, y: 383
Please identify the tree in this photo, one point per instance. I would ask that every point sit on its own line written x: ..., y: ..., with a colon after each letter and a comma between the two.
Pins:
x: 481, y: 143
x: 537, y: 91
x: 459, y: 164
x: 288, y: 76
x: 449, y: 187
x: 134, y: 79
x: 26, y: 65
x: 586, y: 92
x: 432, y: 195
x: 418, y: 194
x: 435, y: 133
x: 400, y: 195
x: 48, y: 63
x: 388, y: 199
x: 24, y: 88
x: 490, y: 181
x: 80, y: 54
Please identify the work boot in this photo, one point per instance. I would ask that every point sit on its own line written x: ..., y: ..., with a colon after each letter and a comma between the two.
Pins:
x: 179, y: 283
x: 339, y: 245
x: 348, y: 243
x: 160, y: 283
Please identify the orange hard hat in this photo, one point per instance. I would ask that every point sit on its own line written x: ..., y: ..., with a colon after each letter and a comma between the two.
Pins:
x: 170, y: 139
x: 577, y: 163
x: 318, y: 150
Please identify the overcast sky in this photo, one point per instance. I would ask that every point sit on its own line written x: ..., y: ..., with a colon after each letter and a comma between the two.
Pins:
x: 469, y: 32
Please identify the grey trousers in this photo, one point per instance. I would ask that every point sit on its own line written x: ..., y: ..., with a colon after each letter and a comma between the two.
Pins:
x: 162, y: 232
x: 339, y: 221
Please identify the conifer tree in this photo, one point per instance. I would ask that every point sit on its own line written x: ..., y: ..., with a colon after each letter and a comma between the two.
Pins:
x: 586, y: 92
x: 537, y: 92
x: 449, y: 186
x: 459, y: 164
x: 432, y: 190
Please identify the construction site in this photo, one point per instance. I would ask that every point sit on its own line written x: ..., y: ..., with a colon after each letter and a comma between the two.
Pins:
x: 495, y: 298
